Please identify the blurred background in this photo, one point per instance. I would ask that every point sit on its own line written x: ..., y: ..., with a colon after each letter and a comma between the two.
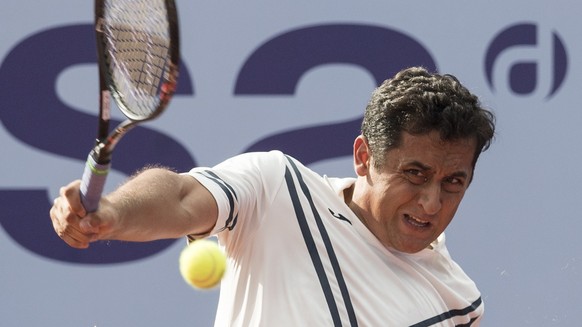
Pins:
x: 295, y: 76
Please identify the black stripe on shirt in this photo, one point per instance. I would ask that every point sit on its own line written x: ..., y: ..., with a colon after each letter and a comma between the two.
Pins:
x: 230, y: 194
x: 313, y: 250
x: 301, y: 219
x: 450, y: 314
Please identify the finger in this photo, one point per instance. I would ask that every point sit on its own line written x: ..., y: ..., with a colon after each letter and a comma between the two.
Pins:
x: 76, y: 238
x: 66, y: 225
x: 71, y: 236
x: 56, y: 213
x: 74, y: 242
x: 72, y: 193
x: 88, y: 225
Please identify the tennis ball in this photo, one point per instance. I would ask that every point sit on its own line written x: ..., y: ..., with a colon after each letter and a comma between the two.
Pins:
x: 202, y: 264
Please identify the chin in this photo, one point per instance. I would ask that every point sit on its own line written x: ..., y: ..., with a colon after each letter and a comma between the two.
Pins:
x: 410, y: 251
x: 411, y: 248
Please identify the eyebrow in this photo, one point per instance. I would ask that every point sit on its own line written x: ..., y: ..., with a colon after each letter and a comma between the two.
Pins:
x: 419, y: 165
x: 425, y: 167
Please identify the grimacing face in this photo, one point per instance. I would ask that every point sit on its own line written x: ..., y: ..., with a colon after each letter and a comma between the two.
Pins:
x: 411, y: 200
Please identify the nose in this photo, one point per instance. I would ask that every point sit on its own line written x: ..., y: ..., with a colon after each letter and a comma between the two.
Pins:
x: 430, y: 198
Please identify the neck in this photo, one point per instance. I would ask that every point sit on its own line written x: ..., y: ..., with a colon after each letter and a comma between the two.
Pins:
x: 356, y: 209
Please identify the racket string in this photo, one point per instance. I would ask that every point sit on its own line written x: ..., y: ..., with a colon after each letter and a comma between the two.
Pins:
x: 138, y: 49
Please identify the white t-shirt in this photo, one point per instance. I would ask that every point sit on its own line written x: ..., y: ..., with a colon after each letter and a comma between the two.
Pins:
x: 298, y: 256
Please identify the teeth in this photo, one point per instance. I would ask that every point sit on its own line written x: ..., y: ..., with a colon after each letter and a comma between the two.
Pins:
x: 417, y: 221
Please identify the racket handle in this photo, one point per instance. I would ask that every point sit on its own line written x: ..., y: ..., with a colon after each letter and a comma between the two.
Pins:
x: 92, y: 183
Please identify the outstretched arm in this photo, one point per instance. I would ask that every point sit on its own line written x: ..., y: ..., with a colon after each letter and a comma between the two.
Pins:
x: 155, y: 204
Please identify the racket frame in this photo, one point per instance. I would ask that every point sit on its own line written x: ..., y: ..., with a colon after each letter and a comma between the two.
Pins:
x: 99, y: 160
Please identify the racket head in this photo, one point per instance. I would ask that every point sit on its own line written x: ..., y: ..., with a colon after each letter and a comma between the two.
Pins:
x: 138, y: 48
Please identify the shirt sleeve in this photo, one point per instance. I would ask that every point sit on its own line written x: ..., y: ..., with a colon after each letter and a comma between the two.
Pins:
x: 241, y: 186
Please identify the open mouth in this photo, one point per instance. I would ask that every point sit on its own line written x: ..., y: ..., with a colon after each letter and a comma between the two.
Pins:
x: 415, y: 221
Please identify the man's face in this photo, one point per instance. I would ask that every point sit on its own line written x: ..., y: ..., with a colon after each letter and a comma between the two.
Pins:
x: 410, y: 201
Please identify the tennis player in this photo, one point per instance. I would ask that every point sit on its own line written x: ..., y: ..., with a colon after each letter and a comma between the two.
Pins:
x: 311, y: 250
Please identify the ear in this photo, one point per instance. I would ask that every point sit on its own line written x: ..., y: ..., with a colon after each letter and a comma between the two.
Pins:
x: 362, y: 156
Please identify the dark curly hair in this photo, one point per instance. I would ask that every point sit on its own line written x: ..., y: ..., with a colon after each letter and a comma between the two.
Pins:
x: 418, y: 102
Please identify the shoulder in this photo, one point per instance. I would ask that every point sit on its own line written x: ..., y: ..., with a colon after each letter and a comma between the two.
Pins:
x: 271, y: 158
x: 248, y: 161
x: 251, y: 171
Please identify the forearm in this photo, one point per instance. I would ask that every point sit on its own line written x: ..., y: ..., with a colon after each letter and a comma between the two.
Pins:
x: 158, y: 204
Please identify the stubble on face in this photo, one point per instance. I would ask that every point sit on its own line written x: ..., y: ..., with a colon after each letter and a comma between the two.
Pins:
x: 412, y: 198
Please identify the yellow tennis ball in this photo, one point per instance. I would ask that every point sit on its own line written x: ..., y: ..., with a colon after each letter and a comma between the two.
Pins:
x: 202, y: 264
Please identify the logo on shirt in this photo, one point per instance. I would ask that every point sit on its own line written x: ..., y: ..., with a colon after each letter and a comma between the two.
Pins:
x: 339, y: 216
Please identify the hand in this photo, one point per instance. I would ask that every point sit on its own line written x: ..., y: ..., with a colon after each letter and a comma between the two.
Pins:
x: 71, y: 221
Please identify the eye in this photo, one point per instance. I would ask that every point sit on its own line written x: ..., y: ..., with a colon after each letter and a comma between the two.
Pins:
x: 415, y: 176
x: 454, y: 184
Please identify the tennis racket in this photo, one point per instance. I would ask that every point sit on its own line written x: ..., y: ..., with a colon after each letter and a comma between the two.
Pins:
x: 138, y: 55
